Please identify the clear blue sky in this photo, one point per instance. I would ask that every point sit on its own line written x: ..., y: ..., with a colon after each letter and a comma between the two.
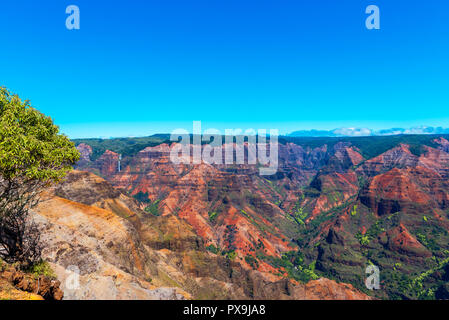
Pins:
x: 140, y: 67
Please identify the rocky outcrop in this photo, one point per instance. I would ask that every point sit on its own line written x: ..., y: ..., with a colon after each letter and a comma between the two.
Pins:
x: 85, y: 152
x: 398, y: 157
x: 9, y: 292
x: 99, y: 249
x: 325, y: 289
x: 18, y: 285
x: 400, y: 189
x: 443, y: 144
x: 400, y: 240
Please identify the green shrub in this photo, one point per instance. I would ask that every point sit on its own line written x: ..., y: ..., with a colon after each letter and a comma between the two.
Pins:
x: 142, y: 197
x: 364, y: 239
x: 153, y: 208
x: 42, y: 268
x: 213, y: 216
x: 231, y: 255
x: 354, y: 210
x: 213, y: 249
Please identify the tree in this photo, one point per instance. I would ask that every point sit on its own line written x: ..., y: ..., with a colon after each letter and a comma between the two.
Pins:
x: 33, y: 155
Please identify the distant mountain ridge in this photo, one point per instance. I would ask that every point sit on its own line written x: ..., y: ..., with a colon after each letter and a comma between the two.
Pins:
x: 370, y: 146
x: 364, y: 132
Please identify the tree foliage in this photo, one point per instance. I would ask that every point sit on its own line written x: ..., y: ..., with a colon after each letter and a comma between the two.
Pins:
x: 33, y: 154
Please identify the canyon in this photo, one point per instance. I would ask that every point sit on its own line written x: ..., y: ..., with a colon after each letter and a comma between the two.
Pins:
x: 153, y: 229
x: 122, y: 252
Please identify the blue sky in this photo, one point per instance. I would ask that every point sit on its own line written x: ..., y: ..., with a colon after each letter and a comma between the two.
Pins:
x: 141, y: 67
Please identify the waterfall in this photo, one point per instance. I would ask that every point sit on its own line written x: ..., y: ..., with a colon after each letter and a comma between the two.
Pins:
x: 119, y: 165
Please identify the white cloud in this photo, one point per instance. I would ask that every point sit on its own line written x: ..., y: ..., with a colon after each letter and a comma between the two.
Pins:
x: 353, y: 132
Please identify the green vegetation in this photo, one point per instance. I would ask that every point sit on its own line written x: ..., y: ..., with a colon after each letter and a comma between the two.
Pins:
x: 127, y: 147
x: 253, y: 262
x: 364, y: 239
x: 213, y: 249
x: 262, y: 227
x: 328, y: 215
x: 369, y: 146
x: 299, y: 214
x: 428, y: 242
x: 213, y: 216
x: 33, y: 155
x: 42, y: 268
x: 362, y: 181
x: 293, y: 262
x: 31, y: 147
x: 397, y: 265
x: 309, y: 272
x: 142, y: 197
x: 2, y: 265
x: 417, y: 287
x: 371, y: 233
x: 153, y: 208
x: 231, y: 255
